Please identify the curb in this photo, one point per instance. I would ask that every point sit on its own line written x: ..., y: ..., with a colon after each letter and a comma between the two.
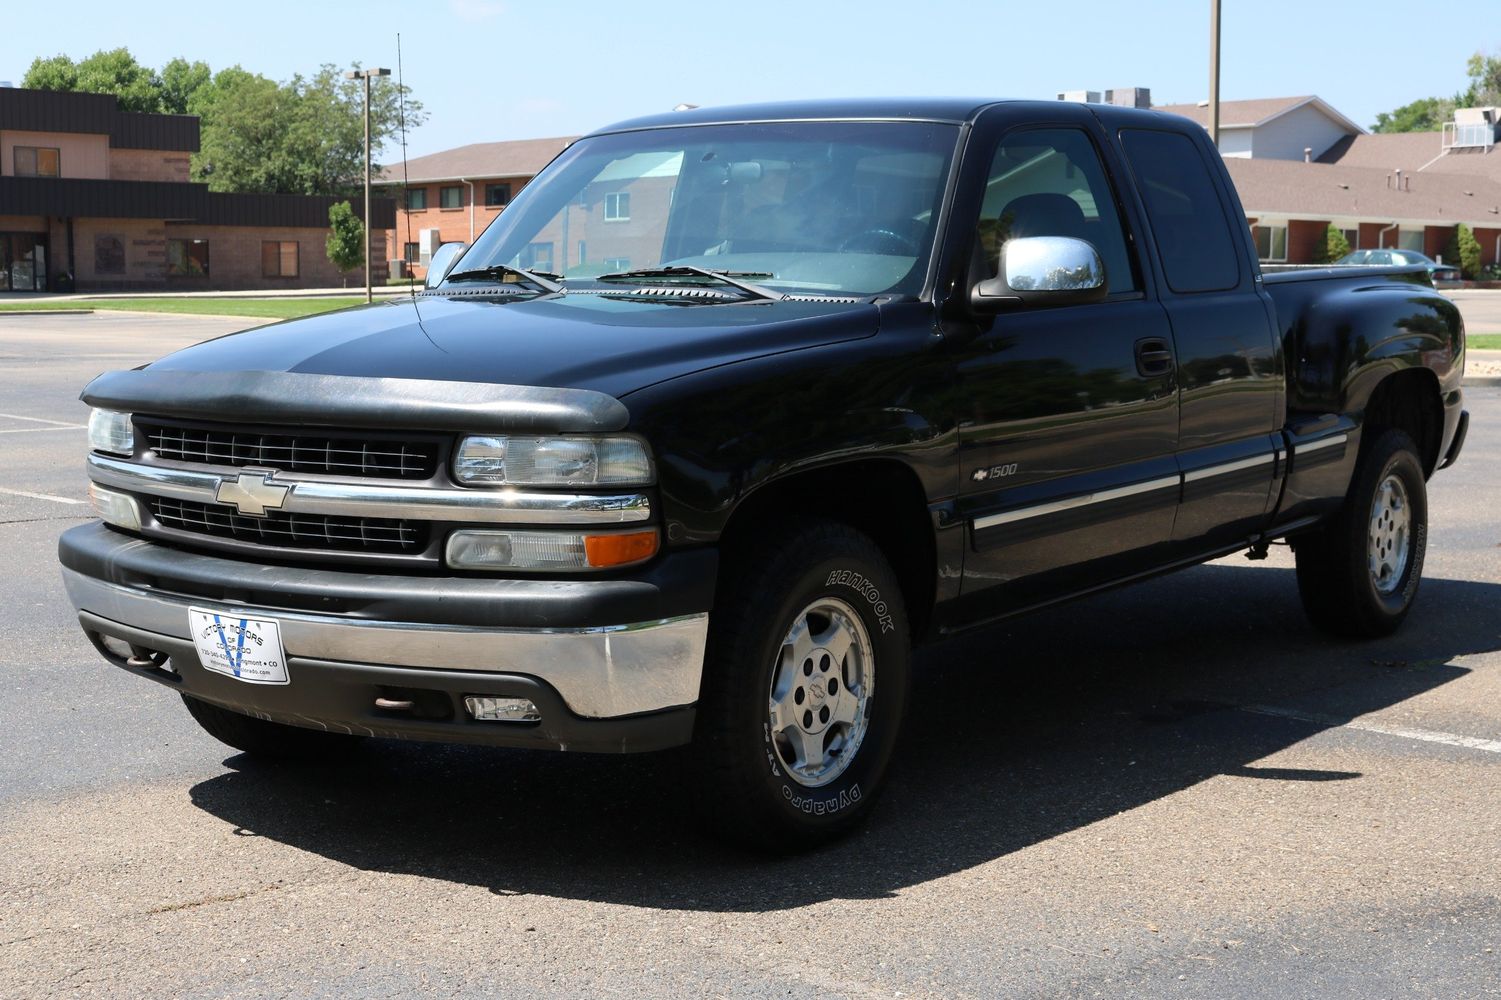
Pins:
x: 1479, y: 381
x: 45, y: 312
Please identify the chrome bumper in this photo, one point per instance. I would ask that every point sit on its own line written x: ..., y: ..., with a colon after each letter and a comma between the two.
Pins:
x: 599, y: 672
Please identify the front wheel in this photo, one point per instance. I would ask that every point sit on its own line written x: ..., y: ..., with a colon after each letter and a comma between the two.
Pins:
x: 1358, y: 575
x: 805, y: 687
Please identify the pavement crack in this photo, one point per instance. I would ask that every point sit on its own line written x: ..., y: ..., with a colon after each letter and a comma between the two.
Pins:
x: 228, y: 897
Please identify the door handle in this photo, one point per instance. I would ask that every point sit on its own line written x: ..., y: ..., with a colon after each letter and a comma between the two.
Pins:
x: 1153, y: 357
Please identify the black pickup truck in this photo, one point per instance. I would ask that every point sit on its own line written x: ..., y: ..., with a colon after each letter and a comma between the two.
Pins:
x: 731, y: 407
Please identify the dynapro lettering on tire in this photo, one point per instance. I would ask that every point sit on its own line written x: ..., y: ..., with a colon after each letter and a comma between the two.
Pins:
x: 867, y: 590
x: 820, y: 807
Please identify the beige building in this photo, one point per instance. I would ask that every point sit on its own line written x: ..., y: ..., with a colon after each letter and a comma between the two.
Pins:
x: 99, y: 199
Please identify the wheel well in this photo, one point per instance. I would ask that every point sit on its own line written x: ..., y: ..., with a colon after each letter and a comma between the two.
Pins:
x: 882, y: 499
x: 1409, y: 401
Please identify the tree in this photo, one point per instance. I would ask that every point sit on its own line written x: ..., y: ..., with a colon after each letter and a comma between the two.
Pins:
x: 1333, y: 248
x: 1484, y: 88
x: 304, y: 136
x: 346, y: 238
x: 112, y: 71
x: 181, y: 84
x: 1426, y: 114
x: 1463, y: 251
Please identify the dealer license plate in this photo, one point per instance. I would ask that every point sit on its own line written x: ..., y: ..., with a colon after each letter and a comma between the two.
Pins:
x: 248, y: 649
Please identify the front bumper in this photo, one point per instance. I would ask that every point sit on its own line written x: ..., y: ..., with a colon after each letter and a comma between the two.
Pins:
x: 613, y: 665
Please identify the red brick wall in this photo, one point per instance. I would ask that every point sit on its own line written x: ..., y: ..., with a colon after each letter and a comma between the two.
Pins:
x: 1303, y: 239
x: 1371, y: 238
x: 1487, y: 240
x: 234, y: 254
x: 1435, y: 238
x: 451, y: 223
x: 148, y: 165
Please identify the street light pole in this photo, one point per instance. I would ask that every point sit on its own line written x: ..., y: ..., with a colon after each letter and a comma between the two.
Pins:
x: 1214, y: 72
x: 366, y: 74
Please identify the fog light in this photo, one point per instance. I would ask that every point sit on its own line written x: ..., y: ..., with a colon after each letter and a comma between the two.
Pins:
x: 119, y: 509
x: 485, y: 708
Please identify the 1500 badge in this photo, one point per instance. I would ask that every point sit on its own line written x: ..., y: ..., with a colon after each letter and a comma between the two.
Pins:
x: 993, y: 472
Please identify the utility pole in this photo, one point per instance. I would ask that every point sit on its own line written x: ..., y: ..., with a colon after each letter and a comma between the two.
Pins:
x: 366, y: 74
x: 1214, y: 72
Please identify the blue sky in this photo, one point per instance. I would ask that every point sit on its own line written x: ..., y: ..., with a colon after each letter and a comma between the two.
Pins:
x: 498, y: 69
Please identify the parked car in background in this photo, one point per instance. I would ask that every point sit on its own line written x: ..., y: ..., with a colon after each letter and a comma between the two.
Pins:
x: 1387, y: 258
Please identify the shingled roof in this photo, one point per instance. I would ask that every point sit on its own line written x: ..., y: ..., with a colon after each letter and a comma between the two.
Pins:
x: 1250, y: 114
x: 1327, y: 191
x: 1414, y: 152
x: 518, y: 158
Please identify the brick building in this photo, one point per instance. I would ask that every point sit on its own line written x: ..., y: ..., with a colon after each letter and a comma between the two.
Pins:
x: 453, y: 195
x: 100, y: 199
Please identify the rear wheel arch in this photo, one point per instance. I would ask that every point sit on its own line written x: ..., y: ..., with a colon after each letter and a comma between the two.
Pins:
x: 1411, y: 401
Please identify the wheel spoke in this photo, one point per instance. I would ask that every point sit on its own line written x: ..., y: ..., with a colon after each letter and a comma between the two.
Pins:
x: 837, y: 639
x: 847, y: 709
x: 808, y: 747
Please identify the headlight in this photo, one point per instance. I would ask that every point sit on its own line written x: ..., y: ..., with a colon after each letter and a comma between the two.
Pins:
x: 548, y: 550
x: 110, y: 431
x: 563, y: 461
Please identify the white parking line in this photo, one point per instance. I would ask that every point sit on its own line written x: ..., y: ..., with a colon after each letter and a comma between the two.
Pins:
x: 44, y: 430
x: 41, y: 496
x: 1361, y: 723
x: 38, y: 420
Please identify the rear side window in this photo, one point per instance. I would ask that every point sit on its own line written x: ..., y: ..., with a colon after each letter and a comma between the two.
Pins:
x: 1183, y: 206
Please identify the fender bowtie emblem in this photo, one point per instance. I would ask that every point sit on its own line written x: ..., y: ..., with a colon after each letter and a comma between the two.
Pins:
x: 252, y: 493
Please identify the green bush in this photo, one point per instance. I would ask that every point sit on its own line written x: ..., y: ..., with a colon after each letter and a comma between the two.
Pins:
x: 1463, y: 251
x: 1333, y: 248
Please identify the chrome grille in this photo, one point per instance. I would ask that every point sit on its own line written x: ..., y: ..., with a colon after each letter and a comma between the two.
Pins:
x: 346, y: 454
x: 293, y: 531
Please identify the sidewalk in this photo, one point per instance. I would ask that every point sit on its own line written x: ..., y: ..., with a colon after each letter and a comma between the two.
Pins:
x: 1483, y: 368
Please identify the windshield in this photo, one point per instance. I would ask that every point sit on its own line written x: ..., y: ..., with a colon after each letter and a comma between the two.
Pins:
x: 835, y: 208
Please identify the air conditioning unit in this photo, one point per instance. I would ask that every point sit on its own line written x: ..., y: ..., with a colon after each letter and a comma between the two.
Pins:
x: 428, y: 242
x: 1080, y: 96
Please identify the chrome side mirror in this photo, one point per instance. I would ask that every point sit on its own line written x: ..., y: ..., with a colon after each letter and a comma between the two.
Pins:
x: 1043, y: 271
x: 442, y: 261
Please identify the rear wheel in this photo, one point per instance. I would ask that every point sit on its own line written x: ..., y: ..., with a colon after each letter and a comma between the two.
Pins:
x: 805, y: 687
x: 1358, y: 576
x: 261, y: 738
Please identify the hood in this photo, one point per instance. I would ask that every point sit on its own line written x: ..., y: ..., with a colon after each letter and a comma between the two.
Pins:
x: 601, y: 343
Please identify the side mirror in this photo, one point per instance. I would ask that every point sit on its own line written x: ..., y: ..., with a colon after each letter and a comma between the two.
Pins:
x: 442, y: 262
x: 1043, y: 271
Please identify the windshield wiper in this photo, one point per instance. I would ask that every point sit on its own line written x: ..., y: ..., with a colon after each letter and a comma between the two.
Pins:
x: 545, y: 280
x: 732, y: 278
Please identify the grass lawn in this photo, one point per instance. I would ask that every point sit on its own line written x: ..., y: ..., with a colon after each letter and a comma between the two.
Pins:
x: 267, y: 308
x: 1483, y: 341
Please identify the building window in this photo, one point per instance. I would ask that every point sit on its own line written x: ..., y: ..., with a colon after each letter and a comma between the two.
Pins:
x: 187, y: 258
x: 537, y: 256
x: 38, y: 161
x: 1271, y: 242
x: 618, y: 206
x: 497, y: 195
x: 451, y: 197
x: 1352, y: 237
x: 416, y: 199
x: 109, y: 255
x: 279, y: 259
x: 617, y: 264
x: 583, y: 253
x: 411, y: 252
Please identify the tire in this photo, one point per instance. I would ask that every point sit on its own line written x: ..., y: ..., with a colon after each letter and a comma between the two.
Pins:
x: 1358, y: 576
x: 805, y: 688
x: 261, y: 738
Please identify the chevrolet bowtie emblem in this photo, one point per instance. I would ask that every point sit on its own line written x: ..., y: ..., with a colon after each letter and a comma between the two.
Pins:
x: 252, y: 493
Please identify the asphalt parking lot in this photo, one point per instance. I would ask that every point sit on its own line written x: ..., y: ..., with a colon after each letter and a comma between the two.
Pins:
x: 1176, y: 789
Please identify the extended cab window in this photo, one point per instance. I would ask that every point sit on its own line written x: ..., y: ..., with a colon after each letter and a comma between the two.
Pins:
x: 1050, y: 182
x: 1188, y: 223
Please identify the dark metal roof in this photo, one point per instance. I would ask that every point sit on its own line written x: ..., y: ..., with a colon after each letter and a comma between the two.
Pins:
x: 174, y: 201
x: 95, y: 114
x: 943, y: 109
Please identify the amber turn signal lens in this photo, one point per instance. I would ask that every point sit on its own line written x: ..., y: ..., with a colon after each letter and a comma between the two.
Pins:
x: 618, y: 550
